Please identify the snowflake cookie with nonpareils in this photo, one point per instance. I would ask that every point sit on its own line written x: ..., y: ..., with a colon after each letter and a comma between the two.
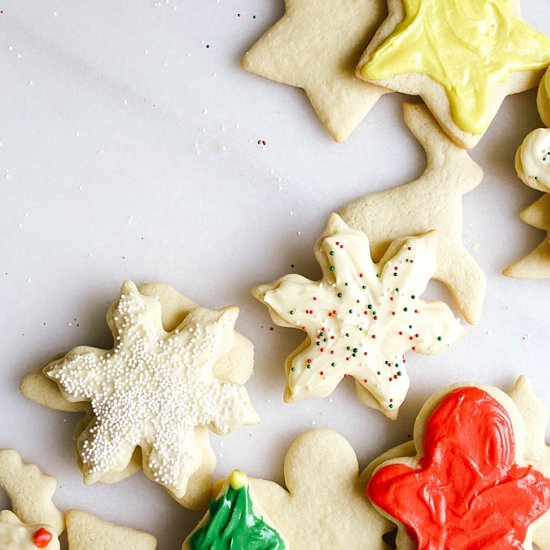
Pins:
x: 361, y: 317
x: 469, y: 480
x: 168, y: 378
x: 34, y: 521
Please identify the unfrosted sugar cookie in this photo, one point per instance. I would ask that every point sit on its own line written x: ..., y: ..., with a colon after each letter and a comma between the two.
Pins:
x: 463, y: 57
x: 236, y: 519
x: 175, y: 371
x: 323, y: 505
x: 468, y: 480
x: 315, y: 46
x: 433, y: 201
x: 35, y: 522
x: 88, y: 532
x: 361, y: 317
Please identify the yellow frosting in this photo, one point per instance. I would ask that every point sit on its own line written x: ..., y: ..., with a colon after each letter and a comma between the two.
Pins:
x: 238, y: 479
x: 467, y: 46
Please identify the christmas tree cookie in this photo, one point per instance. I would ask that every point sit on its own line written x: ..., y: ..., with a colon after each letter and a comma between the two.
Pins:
x: 235, y: 520
x: 361, y: 317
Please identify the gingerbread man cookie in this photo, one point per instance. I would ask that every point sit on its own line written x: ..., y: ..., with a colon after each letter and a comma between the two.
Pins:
x: 323, y: 505
x: 158, y: 389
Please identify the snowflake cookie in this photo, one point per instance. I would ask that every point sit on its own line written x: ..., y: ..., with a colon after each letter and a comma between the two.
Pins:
x: 35, y: 522
x: 361, y: 317
x: 469, y: 480
x: 160, y: 388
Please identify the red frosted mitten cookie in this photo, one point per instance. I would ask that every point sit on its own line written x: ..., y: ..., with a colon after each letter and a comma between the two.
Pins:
x: 468, y: 485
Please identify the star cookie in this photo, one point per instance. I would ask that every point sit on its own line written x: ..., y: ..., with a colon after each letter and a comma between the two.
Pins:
x: 235, y: 520
x: 471, y: 483
x: 315, y: 46
x: 35, y: 521
x: 461, y: 56
x: 323, y: 505
x: 533, y: 160
x: 361, y: 317
x: 160, y: 388
x: 87, y: 532
x: 433, y: 201
x: 536, y: 265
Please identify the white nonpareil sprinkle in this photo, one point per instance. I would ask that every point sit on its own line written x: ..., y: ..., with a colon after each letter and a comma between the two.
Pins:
x: 153, y: 389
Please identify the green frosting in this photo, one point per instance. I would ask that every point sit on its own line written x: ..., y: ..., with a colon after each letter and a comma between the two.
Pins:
x: 233, y: 526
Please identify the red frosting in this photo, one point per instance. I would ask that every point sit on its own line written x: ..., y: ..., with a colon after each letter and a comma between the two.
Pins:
x: 42, y: 537
x: 466, y: 493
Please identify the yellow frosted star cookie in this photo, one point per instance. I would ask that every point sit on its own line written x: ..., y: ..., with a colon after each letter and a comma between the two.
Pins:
x: 324, y: 504
x: 543, y: 98
x: 315, y: 46
x: 160, y: 388
x: 433, y: 201
x: 361, y: 317
x: 461, y: 56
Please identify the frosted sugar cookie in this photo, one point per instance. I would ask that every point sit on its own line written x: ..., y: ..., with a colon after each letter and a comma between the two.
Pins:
x: 470, y: 458
x: 324, y: 505
x: 35, y: 522
x: 433, y: 201
x: 235, y: 520
x: 543, y: 98
x: 164, y: 383
x: 463, y: 57
x: 533, y: 160
x: 315, y: 46
x: 361, y: 317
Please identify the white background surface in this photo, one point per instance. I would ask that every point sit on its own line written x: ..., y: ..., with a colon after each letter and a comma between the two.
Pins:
x: 129, y: 150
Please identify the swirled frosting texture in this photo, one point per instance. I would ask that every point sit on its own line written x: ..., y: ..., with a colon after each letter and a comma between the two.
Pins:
x: 467, y: 491
x: 535, y: 157
x: 467, y: 46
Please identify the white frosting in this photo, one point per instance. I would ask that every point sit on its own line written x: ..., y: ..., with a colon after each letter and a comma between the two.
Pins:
x: 361, y: 317
x: 18, y: 536
x: 153, y: 390
x: 535, y: 156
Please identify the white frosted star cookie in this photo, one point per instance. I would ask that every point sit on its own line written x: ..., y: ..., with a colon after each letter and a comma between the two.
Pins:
x: 315, y: 46
x: 360, y: 318
x: 35, y: 522
x: 533, y: 160
x: 88, y: 532
x: 433, y: 201
x: 158, y: 389
x: 463, y: 57
x: 323, y: 505
x: 236, y: 519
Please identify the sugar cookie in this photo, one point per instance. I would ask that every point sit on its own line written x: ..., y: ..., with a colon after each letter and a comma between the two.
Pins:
x: 87, y: 532
x: 433, y: 201
x: 361, y: 317
x: 35, y: 521
x: 324, y: 505
x: 235, y: 520
x: 463, y: 57
x: 533, y: 160
x: 536, y: 265
x: 543, y: 98
x: 471, y: 459
x: 142, y: 400
x: 315, y: 46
